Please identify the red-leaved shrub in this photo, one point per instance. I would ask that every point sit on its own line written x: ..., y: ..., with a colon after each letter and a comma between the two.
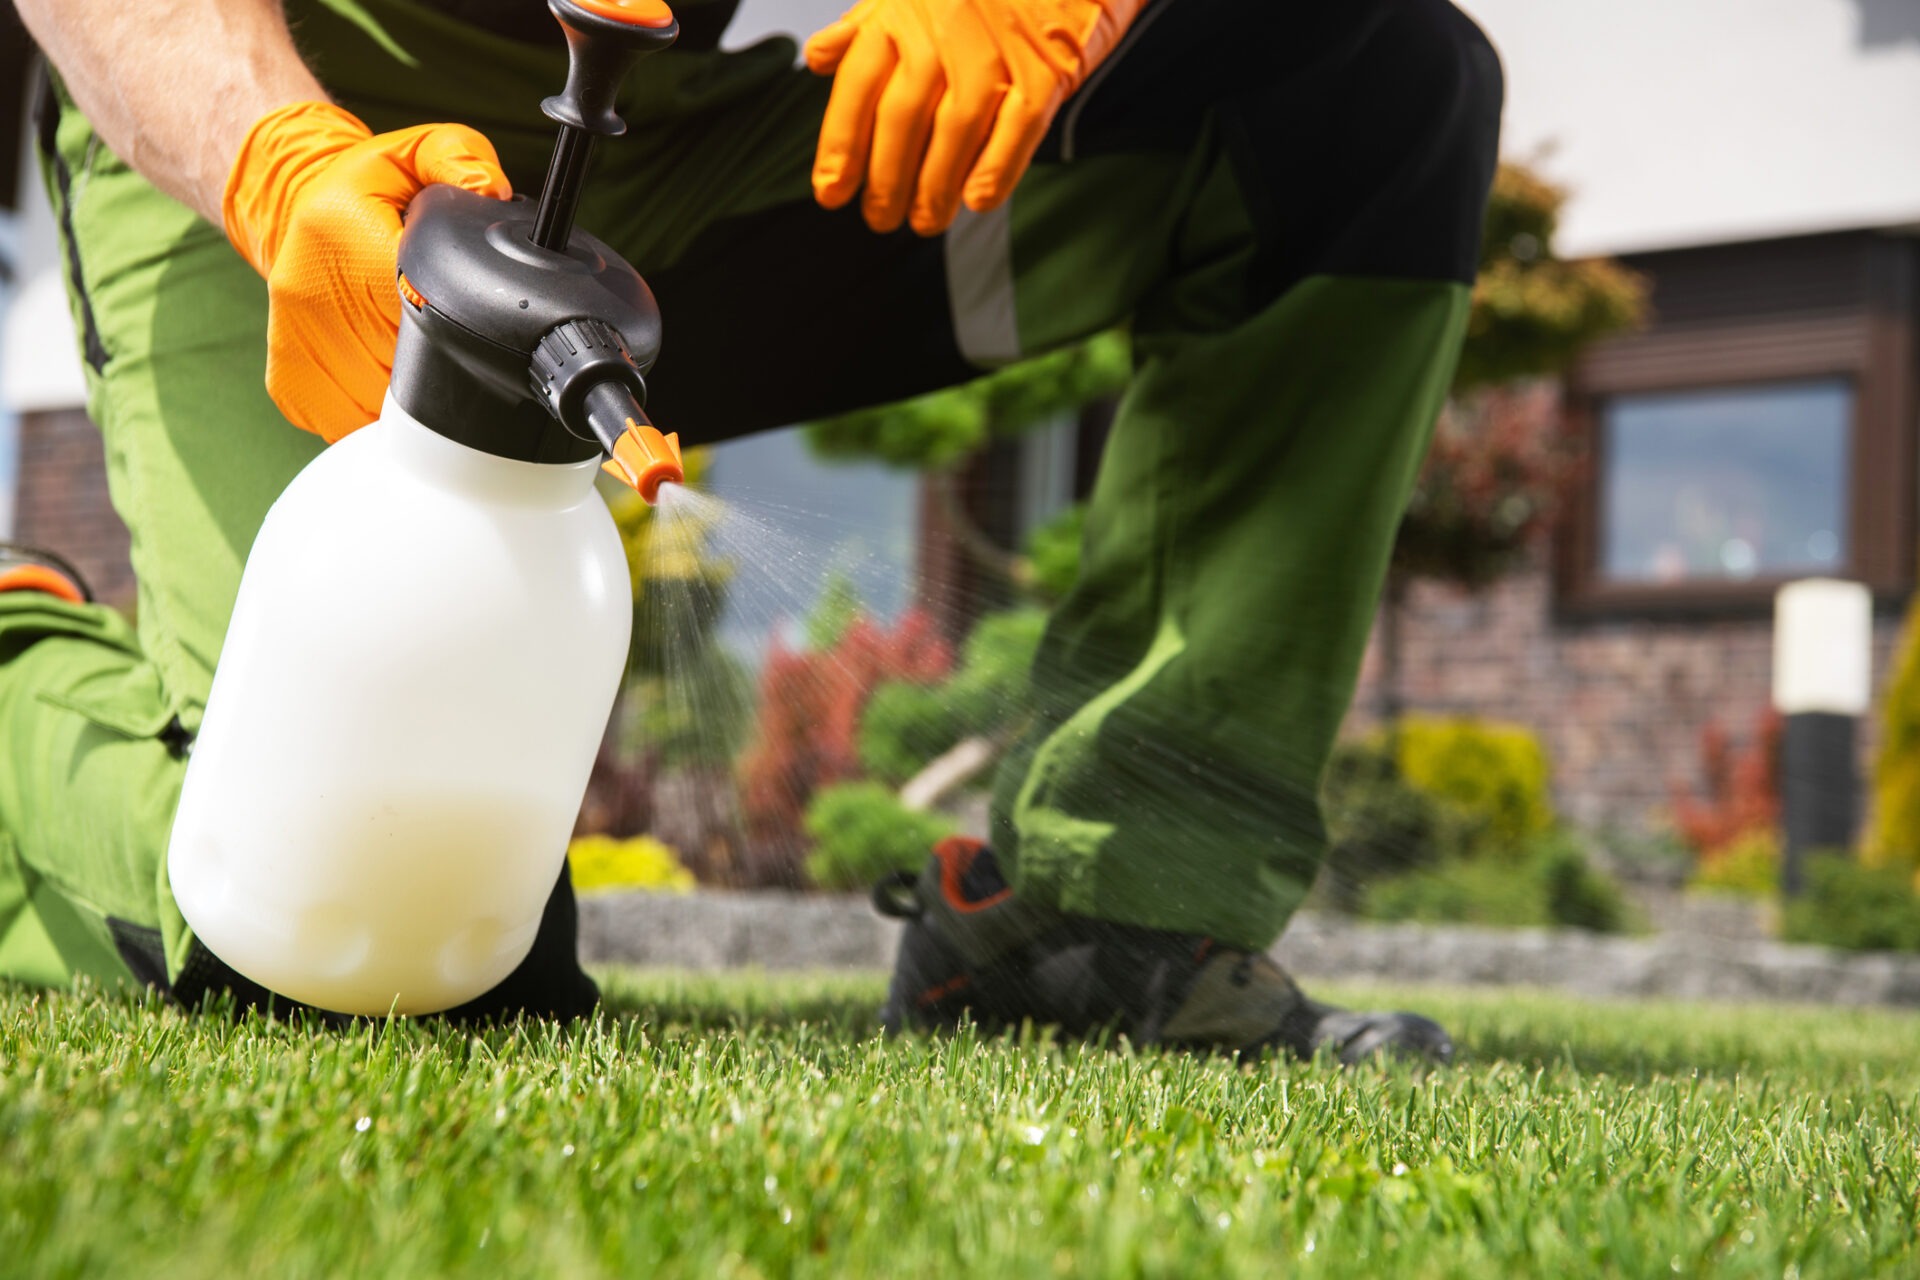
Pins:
x: 1742, y: 789
x: 808, y: 728
x: 1491, y: 486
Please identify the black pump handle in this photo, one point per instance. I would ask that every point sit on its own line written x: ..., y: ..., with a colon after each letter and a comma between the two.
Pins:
x: 604, y: 39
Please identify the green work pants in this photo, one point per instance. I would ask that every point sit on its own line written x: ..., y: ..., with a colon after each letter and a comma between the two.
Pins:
x: 1284, y: 209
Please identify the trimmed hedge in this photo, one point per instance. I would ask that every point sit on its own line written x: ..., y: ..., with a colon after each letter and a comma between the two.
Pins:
x: 1495, y: 775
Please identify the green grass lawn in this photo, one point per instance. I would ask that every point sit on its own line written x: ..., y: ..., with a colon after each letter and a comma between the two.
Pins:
x: 752, y: 1125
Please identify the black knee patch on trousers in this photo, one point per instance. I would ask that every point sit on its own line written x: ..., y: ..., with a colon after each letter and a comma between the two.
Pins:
x: 746, y: 306
x: 1364, y: 133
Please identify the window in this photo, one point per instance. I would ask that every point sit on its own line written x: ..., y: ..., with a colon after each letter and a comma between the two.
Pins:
x: 1763, y: 426
x: 1725, y: 484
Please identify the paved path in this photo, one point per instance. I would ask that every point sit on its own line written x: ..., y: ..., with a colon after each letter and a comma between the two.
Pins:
x: 770, y: 930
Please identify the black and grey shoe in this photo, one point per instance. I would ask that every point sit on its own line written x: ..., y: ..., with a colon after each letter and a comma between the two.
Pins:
x: 971, y: 950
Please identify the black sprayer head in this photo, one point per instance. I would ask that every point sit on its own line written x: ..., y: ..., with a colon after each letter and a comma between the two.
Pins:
x: 519, y: 336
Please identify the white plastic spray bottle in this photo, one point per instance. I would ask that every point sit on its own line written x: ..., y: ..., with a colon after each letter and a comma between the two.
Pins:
x: 433, y: 621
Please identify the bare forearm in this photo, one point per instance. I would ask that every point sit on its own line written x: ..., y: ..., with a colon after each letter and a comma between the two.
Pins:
x: 173, y: 85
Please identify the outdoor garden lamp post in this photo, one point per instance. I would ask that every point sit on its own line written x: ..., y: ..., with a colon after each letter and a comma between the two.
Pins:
x: 1822, y: 680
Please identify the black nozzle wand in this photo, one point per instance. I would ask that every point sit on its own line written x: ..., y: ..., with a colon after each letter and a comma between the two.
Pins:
x: 604, y: 39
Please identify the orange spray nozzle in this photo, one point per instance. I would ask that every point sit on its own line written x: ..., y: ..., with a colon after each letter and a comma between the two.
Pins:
x: 644, y: 460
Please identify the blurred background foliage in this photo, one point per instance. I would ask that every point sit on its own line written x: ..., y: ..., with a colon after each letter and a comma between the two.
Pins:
x: 1893, y: 837
x: 604, y: 863
x: 861, y: 830
x: 1429, y: 818
x: 1533, y: 313
x: 937, y: 431
x: 1496, y: 776
x: 1452, y: 820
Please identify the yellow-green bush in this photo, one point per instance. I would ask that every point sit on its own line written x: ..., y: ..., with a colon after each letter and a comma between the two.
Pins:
x: 1749, y: 866
x: 1496, y: 774
x: 1893, y: 841
x: 602, y: 863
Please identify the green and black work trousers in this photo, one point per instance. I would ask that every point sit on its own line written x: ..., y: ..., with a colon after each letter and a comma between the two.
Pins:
x: 1283, y: 205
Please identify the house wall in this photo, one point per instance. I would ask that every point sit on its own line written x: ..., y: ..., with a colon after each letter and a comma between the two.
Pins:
x: 1620, y: 704
x: 1687, y: 122
x: 1621, y: 684
x: 62, y: 501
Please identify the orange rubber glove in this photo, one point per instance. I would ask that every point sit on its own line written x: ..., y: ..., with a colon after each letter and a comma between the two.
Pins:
x: 313, y: 201
x: 939, y: 101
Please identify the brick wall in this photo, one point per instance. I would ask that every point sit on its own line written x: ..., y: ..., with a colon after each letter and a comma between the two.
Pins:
x: 62, y: 501
x: 1619, y: 704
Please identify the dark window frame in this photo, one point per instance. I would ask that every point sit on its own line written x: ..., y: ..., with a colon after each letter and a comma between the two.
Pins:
x: 1870, y: 339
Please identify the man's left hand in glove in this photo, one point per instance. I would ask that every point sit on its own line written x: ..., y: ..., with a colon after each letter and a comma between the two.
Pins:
x: 942, y: 102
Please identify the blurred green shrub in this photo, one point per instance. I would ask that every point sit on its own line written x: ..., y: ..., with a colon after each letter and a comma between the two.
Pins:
x: 1856, y: 907
x: 604, y: 864
x: 861, y: 831
x: 942, y: 429
x: 1053, y: 551
x: 1377, y: 825
x: 906, y: 725
x: 1495, y: 775
x: 1549, y: 883
x: 1457, y: 892
x: 696, y: 713
x: 1578, y: 894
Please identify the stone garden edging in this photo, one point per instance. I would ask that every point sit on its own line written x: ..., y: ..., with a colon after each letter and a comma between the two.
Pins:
x: 776, y: 930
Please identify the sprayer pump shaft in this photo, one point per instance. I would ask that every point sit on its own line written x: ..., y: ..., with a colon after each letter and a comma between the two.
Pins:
x: 560, y: 197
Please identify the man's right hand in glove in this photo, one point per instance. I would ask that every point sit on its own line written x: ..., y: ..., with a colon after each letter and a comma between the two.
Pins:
x: 314, y: 203
x: 210, y: 102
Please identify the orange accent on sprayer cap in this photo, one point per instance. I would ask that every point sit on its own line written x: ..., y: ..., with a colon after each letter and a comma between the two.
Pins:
x: 38, y: 577
x: 644, y: 460
x: 410, y: 293
x: 635, y: 13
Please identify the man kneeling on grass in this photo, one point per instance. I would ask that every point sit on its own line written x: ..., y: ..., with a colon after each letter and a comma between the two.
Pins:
x: 1282, y: 202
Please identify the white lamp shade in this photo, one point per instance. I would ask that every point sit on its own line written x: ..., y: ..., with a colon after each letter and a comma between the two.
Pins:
x: 1822, y: 647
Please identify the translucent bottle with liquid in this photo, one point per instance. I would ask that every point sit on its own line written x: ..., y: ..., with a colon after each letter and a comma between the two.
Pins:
x: 427, y: 641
